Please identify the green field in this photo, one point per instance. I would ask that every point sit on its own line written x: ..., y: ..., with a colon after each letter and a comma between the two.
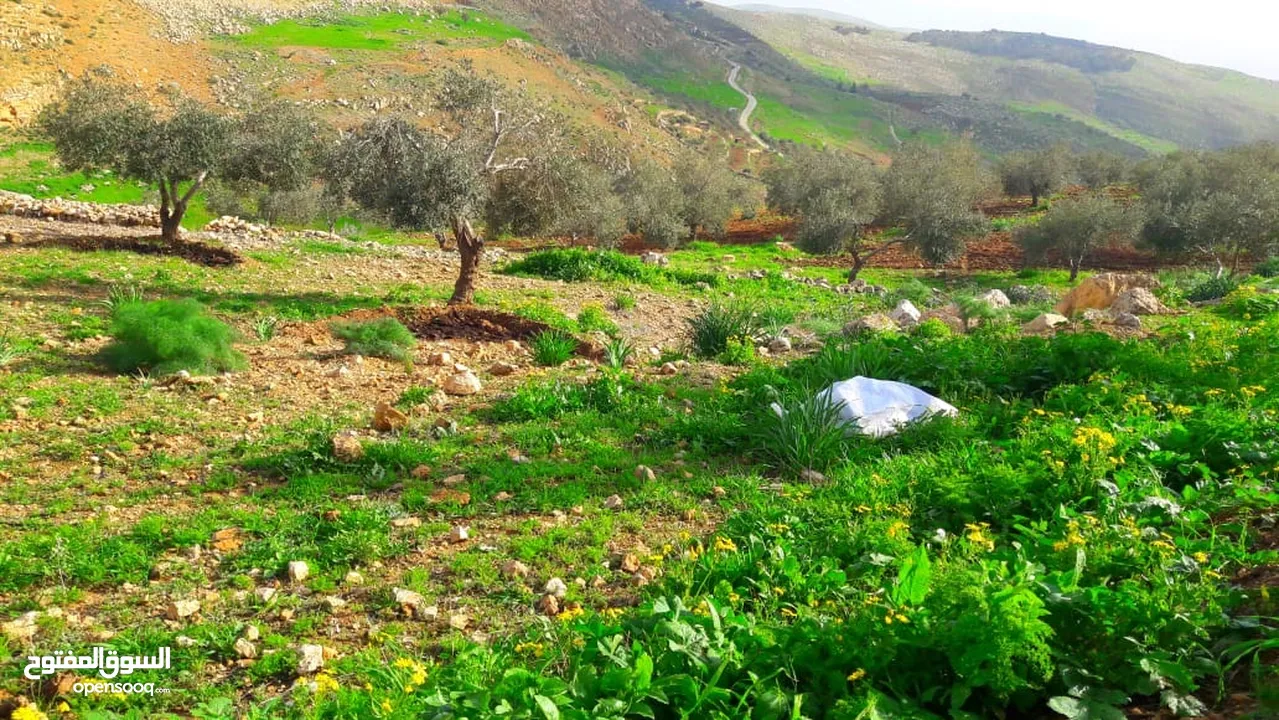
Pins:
x: 385, y: 31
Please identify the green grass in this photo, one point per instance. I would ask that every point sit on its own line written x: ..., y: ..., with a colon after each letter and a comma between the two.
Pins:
x: 712, y: 91
x: 1145, y: 142
x: 387, y: 31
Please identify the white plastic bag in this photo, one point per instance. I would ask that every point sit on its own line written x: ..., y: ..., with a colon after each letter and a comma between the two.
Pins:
x: 879, y: 408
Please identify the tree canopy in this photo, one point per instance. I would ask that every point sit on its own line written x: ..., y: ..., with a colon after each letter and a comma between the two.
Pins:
x: 1074, y: 228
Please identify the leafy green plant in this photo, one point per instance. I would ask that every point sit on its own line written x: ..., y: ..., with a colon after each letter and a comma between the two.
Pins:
x: 578, y: 265
x: 552, y: 348
x: 9, y: 352
x: 738, y: 351
x: 972, y: 308
x: 1249, y: 303
x: 165, y: 336
x: 1268, y: 268
x: 710, y: 330
x: 384, y: 337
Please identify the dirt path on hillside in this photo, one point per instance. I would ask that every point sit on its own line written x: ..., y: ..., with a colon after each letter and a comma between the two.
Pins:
x: 744, y: 119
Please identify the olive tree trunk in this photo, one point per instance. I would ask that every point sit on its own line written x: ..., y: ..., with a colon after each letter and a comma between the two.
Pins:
x: 470, y: 247
x: 173, y: 206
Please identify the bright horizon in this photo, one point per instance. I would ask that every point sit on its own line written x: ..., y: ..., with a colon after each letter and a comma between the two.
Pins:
x: 1234, y: 34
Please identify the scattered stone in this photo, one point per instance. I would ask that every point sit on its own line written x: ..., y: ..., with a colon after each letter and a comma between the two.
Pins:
x: 334, y: 602
x: 411, y: 603
x: 629, y: 563
x: 458, y: 621
x: 440, y: 359
x: 655, y: 258
x: 353, y: 578
x: 779, y: 345
x: 996, y: 299
x: 251, y: 633
x: 667, y: 369
x: 1094, y: 316
x: 387, y: 418
x: 1024, y: 295
x: 227, y: 540
x: 645, y: 473
x: 812, y: 476
x: 406, y: 522
x: 23, y: 629
x: 245, y: 649
x: 556, y: 587
x: 515, y: 569
x: 719, y: 491
x: 1137, y: 301
x: 613, y: 502
x: 347, y: 447
x: 310, y: 659
x: 503, y: 369
x: 184, y: 642
x: 298, y: 571
x: 463, y: 383
x: 460, y: 534
x: 502, y: 496
x: 182, y: 609
x: 549, y: 605
x: 265, y: 593
x: 1045, y: 322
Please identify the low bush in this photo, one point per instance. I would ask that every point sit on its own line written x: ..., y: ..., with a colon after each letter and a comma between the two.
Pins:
x: 1213, y: 288
x: 1249, y: 303
x: 739, y: 351
x: 1269, y: 268
x: 624, y: 302
x: 384, y: 337
x: 165, y: 336
x: 578, y: 265
x: 710, y: 330
x: 552, y: 348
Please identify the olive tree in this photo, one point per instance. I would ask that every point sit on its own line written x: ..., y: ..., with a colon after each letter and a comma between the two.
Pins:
x: 179, y: 145
x: 565, y: 196
x: 932, y: 191
x: 1036, y: 173
x: 1100, y: 168
x: 833, y: 195
x: 453, y: 178
x: 711, y: 193
x: 654, y: 203
x: 1223, y: 204
x: 1074, y: 228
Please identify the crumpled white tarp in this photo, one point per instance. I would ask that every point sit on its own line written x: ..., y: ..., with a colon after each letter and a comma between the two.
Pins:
x: 880, y: 408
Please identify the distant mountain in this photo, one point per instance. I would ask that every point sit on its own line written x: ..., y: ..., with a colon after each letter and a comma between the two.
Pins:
x: 810, y: 12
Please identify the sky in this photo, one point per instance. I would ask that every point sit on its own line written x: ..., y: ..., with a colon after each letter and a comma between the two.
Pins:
x: 1238, y: 34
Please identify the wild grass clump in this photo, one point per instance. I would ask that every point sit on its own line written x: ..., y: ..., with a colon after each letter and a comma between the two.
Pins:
x: 709, y: 332
x: 1269, y: 268
x: 165, y: 336
x: 593, y: 318
x: 618, y: 352
x: 384, y: 338
x: 623, y: 302
x: 803, y: 433
x: 552, y: 348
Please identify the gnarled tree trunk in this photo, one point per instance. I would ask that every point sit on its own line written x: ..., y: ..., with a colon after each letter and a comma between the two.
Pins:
x: 173, y: 205
x: 470, y: 247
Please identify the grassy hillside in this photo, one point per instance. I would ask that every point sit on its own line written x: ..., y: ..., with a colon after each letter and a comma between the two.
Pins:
x: 1147, y: 103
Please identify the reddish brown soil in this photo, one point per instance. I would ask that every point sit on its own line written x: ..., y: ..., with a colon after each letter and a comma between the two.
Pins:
x: 468, y: 323
x: 192, y: 251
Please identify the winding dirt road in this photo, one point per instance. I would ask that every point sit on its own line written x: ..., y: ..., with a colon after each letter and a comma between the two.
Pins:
x: 744, y: 118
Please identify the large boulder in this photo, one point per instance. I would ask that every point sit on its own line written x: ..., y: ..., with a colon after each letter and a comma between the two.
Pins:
x: 1100, y: 291
x: 949, y: 316
x: 1137, y: 301
x: 873, y: 323
x: 1026, y: 294
x: 995, y: 298
x: 905, y: 314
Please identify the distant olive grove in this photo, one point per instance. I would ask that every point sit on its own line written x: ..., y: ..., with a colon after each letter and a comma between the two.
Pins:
x: 496, y: 161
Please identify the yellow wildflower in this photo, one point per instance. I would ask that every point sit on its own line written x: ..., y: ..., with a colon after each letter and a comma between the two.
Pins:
x: 63, y: 707
x: 1096, y: 438
x: 723, y: 544
x: 779, y: 591
x: 325, y: 683
x: 901, y: 618
x: 977, y: 535
x: 529, y: 648
x: 787, y: 612
x: 386, y: 705
x: 28, y: 712
x: 856, y: 675
x: 403, y: 663
x: 888, y: 619
x: 571, y: 614
x: 612, y: 613
x: 897, y: 528
x: 1201, y: 557
x: 778, y: 528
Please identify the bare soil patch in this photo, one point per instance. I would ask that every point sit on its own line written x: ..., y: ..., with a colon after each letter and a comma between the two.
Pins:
x: 193, y: 251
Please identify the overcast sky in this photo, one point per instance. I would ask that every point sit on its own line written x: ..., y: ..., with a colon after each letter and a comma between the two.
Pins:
x: 1238, y: 34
